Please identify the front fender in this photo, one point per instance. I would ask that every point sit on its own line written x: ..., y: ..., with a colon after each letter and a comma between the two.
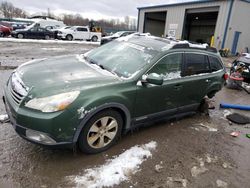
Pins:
x: 98, y: 109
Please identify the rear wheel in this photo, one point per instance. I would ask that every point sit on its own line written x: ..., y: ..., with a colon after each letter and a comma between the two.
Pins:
x: 69, y: 37
x: 20, y: 36
x: 101, y: 132
x: 47, y: 37
x: 94, y: 39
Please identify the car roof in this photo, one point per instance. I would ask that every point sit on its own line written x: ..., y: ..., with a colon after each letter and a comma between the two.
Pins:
x: 164, y: 44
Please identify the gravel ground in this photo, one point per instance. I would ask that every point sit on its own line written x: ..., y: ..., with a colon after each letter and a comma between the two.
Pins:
x: 196, y: 151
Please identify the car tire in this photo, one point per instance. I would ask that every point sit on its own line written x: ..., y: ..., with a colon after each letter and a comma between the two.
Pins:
x: 47, y: 37
x: 69, y: 37
x: 20, y: 36
x: 100, y: 132
x: 94, y: 39
x: 1, y: 34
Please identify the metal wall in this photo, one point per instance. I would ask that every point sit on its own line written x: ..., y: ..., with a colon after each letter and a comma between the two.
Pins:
x: 239, y: 22
x: 176, y: 17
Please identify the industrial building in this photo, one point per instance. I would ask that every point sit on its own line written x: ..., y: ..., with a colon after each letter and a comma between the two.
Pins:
x: 221, y: 23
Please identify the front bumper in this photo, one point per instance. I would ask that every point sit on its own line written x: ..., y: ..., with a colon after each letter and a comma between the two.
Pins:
x: 22, y: 131
x: 61, y: 35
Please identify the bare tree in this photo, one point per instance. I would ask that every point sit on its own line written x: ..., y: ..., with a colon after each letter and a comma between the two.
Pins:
x: 9, y: 11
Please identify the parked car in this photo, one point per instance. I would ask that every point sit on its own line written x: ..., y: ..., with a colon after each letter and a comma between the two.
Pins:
x: 115, y: 36
x: 242, y: 62
x: 56, y: 30
x: 33, y: 33
x: 89, y: 100
x: 79, y: 33
x: 5, y: 31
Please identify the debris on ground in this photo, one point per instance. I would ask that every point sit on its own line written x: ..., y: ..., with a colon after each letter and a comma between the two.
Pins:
x: 197, y: 170
x: 210, y: 159
x: 226, y: 165
x: 221, y: 183
x: 210, y: 128
x: 248, y: 135
x: 226, y: 113
x: 117, y: 169
x: 238, y: 118
x: 172, y: 182
x: 235, y: 106
x: 4, y: 118
x: 235, y: 134
x: 158, y: 168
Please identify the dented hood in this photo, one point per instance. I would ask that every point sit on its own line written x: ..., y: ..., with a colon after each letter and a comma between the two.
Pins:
x: 62, y: 74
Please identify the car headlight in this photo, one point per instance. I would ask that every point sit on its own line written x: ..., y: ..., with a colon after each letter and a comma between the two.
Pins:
x: 53, y: 103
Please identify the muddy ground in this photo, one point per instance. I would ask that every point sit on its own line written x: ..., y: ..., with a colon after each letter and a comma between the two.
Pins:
x: 196, y: 151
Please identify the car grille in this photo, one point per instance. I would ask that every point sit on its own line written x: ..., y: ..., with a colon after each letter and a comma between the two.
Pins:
x: 17, y: 89
x: 17, y: 97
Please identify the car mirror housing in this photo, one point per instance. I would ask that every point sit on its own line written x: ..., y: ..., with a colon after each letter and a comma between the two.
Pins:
x: 154, y: 78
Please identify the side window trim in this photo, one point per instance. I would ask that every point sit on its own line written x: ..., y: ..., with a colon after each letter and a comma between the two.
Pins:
x: 171, y: 53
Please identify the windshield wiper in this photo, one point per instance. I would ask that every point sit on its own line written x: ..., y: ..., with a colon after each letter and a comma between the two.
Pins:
x: 89, y: 60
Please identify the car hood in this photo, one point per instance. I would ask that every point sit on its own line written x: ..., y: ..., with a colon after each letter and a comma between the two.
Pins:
x: 109, y: 37
x: 63, y: 74
x: 20, y: 30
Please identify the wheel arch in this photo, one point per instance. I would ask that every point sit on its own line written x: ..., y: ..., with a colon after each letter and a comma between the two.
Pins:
x: 122, y: 109
x: 214, y: 88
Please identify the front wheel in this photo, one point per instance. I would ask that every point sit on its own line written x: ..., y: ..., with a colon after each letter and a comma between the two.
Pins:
x: 69, y: 37
x: 101, y: 132
x: 20, y: 36
x: 94, y: 39
x: 47, y: 37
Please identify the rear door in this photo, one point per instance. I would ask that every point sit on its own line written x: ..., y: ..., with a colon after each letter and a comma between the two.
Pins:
x: 152, y: 99
x: 81, y: 33
x: 196, y: 79
x: 32, y: 33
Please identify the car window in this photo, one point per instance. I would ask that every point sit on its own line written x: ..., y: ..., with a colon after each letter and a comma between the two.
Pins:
x: 33, y: 29
x: 215, y: 63
x: 41, y: 29
x: 81, y: 29
x: 123, y: 58
x: 195, y: 64
x: 169, y: 67
x: 124, y: 34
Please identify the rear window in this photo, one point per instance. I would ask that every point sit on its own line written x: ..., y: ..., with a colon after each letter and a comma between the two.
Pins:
x: 81, y: 29
x: 215, y: 63
x: 195, y: 64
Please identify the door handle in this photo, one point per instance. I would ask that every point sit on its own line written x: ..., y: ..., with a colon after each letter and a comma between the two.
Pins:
x: 177, y: 87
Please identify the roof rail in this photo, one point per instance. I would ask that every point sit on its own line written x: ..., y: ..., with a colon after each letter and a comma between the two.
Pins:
x: 194, y: 46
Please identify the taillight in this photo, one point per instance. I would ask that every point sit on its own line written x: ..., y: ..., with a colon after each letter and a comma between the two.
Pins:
x: 225, y: 76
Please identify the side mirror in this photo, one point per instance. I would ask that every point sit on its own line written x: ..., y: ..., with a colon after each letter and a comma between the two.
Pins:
x: 154, y: 78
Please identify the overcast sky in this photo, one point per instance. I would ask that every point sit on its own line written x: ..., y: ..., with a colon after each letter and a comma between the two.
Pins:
x: 94, y: 9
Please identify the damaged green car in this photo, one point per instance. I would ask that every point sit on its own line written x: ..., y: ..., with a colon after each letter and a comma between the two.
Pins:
x: 89, y: 100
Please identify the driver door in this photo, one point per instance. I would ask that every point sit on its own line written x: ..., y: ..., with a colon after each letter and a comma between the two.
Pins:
x: 152, y: 99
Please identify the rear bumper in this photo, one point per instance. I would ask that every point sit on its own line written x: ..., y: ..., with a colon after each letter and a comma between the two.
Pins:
x: 21, y: 131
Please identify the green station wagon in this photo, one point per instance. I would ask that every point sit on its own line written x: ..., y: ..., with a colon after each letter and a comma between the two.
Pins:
x: 89, y: 100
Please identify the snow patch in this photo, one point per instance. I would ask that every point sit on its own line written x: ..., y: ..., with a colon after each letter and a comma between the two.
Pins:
x: 47, y: 41
x: 226, y: 113
x: 172, y: 75
x: 202, y: 46
x: 210, y: 129
x: 4, y: 117
x: 116, y: 170
x: 53, y: 49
